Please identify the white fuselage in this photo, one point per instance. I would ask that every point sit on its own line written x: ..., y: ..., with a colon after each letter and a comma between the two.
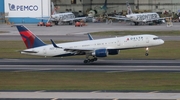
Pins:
x: 117, y: 43
x: 143, y: 17
x: 63, y: 16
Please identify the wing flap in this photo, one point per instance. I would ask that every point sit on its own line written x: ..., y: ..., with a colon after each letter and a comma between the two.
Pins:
x: 72, y: 19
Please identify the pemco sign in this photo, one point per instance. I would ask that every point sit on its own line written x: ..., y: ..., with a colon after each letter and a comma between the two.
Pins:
x: 13, y: 7
x: 27, y: 8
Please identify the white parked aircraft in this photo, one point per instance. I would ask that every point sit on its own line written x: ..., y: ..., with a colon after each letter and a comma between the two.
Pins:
x: 141, y: 17
x: 94, y: 48
x: 60, y: 18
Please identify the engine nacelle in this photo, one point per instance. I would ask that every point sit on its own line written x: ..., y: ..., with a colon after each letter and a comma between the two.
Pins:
x: 100, y: 53
x: 113, y: 52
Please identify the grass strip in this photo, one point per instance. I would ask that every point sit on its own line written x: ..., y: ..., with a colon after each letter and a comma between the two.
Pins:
x: 169, y: 50
x: 4, y: 31
x: 80, y: 81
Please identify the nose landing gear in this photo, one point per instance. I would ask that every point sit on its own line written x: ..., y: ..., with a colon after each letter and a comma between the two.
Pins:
x: 147, y: 49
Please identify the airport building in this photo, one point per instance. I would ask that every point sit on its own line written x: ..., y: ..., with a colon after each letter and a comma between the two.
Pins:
x: 28, y: 11
x: 24, y: 11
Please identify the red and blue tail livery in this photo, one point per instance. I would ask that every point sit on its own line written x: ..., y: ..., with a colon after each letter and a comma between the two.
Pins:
x: 30, y: 40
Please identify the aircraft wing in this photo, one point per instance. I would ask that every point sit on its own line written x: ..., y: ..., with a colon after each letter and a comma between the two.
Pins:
x: 119, y: 18
x: 155, y: 19
x: 79, y: 51
x: 72, y: 19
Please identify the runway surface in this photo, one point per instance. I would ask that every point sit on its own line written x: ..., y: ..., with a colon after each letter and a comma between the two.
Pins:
x: 39, y: 95
x: 78, y: 65
x: 92, y: 27
x: 73, y: 37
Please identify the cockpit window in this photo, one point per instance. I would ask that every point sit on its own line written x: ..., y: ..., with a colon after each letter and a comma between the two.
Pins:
x: 156, y: 38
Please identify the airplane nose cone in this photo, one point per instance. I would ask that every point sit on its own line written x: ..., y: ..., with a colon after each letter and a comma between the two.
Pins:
x: 162, y: 41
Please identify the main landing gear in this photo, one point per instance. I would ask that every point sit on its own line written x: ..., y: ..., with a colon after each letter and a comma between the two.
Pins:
x: 87, y: 60
x: 147, y: 49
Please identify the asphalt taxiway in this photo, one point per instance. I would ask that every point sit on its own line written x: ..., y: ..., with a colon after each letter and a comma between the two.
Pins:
x: 78, y: 65
x: 91, y: 27
x: 73, y: 37
x: 39, y: 95
x: 71, y: 33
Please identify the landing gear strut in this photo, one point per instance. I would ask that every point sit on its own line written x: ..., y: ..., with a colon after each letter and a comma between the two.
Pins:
x: 147, y: 49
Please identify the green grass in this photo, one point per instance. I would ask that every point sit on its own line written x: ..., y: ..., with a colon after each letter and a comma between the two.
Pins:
x: 122, y: 33
x: 169, y: 50
x: 119, y: 81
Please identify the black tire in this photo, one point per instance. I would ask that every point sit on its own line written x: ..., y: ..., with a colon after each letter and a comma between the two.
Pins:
x: 91, y: 60
x: 86, y: 61
x: 146, y: 54
x: 95, y: 59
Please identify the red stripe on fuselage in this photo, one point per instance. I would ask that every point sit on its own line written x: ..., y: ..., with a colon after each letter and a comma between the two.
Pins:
x: 28, y: 39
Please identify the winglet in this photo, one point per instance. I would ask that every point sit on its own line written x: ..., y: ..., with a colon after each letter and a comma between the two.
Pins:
x: 90, y: 37
x: 54, y: 44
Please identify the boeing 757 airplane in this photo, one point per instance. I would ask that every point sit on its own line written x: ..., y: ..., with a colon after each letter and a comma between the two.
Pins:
x: 92, y: 48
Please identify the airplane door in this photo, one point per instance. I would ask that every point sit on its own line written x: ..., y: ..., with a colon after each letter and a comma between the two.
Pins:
x: 147, y: 40
x: 118, y: 42
x: 44, y: 50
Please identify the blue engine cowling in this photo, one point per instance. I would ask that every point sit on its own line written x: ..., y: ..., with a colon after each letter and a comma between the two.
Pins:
x: 100, y: 53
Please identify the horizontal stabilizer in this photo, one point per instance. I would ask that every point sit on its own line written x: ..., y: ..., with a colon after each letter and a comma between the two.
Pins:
x: 28, y: 52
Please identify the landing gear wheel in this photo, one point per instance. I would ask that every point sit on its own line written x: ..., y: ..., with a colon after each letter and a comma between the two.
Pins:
x: 91, y: 60
x: 86, y: 61
x: 146, y: 54
x: 95, y: 59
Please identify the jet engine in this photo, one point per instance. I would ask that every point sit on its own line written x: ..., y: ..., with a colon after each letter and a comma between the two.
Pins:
x: 100, y: 53
x: 92, y: 13
x: 105, y: 52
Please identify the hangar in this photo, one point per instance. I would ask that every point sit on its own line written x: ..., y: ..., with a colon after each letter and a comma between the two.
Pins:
x: 25, y: 11
x: 118, y: 5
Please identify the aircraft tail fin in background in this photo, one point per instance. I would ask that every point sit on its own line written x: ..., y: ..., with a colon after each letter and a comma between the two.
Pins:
x: 129, y: 10
x: 104, y: 6
x: 53, y: 9
x: 30, y: 40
